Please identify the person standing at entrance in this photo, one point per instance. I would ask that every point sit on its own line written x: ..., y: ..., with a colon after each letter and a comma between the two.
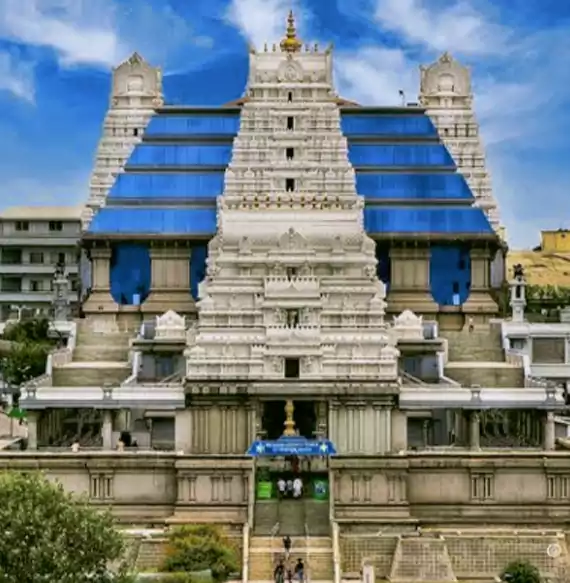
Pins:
x: 300, y: 571
x: 279, y: 573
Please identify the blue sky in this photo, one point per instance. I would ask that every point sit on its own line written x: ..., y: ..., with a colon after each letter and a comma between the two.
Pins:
x: 56, y: 55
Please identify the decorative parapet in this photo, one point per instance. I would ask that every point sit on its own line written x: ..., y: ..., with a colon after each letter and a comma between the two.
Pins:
x: 301, y: 286
x: 170, y: 326
x: 408, y: 326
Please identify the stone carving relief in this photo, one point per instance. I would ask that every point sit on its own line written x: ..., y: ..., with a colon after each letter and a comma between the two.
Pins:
x: 171, y: 326
x: 445, y: 75
x: 135, y: 75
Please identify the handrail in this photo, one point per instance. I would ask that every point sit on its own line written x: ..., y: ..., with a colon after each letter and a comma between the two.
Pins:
x: 307, y: 543
x: 245, y: 554
x: 251, y: 495
x: 335, y: 531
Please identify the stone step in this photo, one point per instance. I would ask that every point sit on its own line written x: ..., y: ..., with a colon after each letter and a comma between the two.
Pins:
x: 480, y: 345
x: 103, y: 339
x: 84, y: 375
x: 95, y: 353
x: 317, y: 517
x: 319, y: 563
x: 506, y: 376
x: 275, y: 543
x: 291, y: 517
x: 266, y: 516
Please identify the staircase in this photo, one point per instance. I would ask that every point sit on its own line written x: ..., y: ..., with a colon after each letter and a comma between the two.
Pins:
x: 266, y: 517
x: 99, y: 359
x: 316, y: 553
x: 477, y: 358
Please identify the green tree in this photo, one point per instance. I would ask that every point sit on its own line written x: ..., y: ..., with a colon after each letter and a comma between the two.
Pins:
x: 50, y: 536
x: 24, y: 361
x: 198, y: 548
x: 521, y: 572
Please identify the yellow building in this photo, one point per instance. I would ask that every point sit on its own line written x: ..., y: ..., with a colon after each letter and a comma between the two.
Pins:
x: 555, y: 241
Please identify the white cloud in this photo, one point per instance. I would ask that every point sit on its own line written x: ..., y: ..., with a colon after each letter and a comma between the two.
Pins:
x: 17, y: 77
x: 263, y: 21
x: 458, y: 28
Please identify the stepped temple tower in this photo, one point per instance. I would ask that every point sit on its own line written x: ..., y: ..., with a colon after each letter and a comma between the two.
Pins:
x: 293, y: 284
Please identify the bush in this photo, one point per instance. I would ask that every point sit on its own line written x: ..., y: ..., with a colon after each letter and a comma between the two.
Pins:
x: 200, y: 548
x: 48, y: 535
x: 521, y: 572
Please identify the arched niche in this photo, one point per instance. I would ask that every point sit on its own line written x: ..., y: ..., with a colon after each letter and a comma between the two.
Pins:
x: 130, y: 273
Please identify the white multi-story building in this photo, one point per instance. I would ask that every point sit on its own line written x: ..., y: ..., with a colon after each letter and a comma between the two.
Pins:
x: 33, y: 240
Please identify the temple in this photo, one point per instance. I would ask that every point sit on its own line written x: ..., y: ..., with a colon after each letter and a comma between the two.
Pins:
x: 297, y: 276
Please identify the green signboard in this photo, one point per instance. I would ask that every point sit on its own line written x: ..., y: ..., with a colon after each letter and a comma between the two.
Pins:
x: 264, y: 490
x: 321, y: 489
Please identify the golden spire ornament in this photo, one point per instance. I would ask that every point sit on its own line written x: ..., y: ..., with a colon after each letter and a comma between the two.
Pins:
x: 291, y: 44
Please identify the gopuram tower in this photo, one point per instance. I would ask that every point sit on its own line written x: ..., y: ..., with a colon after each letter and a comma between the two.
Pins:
x: 291, y: 290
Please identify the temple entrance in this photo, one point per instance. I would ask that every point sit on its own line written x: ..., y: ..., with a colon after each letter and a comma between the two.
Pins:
x: 274, y: 417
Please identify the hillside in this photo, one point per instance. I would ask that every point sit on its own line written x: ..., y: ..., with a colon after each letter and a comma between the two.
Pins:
x: 542, y: 268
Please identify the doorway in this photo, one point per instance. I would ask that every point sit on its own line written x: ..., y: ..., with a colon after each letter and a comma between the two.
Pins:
x: 304, y: 415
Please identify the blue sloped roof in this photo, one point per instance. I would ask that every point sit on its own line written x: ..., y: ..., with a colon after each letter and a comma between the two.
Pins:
x: 426, y: 220
x: 392, y: 186
x: 188, y: 185
x: 192, y: 125
x: 377, y: 125
x: 400, y: 155
x: 154, y: 221
x: 180, y: 155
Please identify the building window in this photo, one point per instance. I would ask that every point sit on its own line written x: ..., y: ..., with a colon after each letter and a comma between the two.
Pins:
x: 290, y: 96
x: 36, y: 257
x: 22, y: 226
x: 61, y: 258
x: 11, y: 256
x: 290, y: 123
x: 11, y: 284
x: 36, y: 285
x: 292, y: 368
x: 290, y: 153
x: 289, y: 184
x: 55, y: 226
x: 136, y: 132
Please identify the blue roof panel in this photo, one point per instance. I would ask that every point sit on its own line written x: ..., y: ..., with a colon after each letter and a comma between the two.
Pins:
x: 154, y: 221
x: 377, y: 125
x: 192, y: 125
x: 399, y: 155
x: 426, y: 220
x: 378, y: 186
x: 180, y: 155
x: 188, y: 185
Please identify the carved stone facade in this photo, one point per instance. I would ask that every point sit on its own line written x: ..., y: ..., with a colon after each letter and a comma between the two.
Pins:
x: 445, y: 91
x: 136, y: 92
x: 291, y: 273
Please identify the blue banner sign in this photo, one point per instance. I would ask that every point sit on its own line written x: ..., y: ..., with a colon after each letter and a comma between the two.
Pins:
x: 292, y: 446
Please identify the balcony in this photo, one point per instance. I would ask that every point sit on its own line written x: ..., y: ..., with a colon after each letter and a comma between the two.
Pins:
x: 29, y: 297
x: 33, y: 268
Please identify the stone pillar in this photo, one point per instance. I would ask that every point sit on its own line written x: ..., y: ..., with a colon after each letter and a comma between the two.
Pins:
x: 183, y: 431
x: 518, y: 299
x: 474, y: 431
x: 107, y: 430
x: 549, y: 432
x: 409, y: 281
x: 399, y: 429
x: 32, y: 419
x: 100, y: 300
x: 170, y: 283
x: 480, y: 305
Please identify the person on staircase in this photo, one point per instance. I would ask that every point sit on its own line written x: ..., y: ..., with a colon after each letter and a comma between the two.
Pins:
x: 279, y: 573
x: 300, y: 571
x: 297, y: 488
x: 287, y: 546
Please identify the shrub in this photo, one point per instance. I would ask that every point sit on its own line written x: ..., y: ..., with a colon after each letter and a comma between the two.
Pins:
x: 48, y: 535
x: 521, y: 572
x: 199, y: 548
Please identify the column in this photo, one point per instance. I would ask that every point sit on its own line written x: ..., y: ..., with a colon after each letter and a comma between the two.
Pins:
x: 480, y: 304
x: 474, y: 431
x: 399, y: 430
x: 100, y: 300
x: 170, y: 280
x: 32, y: 419
x: 549, y: 432
x: 107, y: 430
x: 183, y: 431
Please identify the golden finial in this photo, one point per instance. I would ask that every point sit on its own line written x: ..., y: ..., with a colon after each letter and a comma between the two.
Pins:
x: 291, y: 44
